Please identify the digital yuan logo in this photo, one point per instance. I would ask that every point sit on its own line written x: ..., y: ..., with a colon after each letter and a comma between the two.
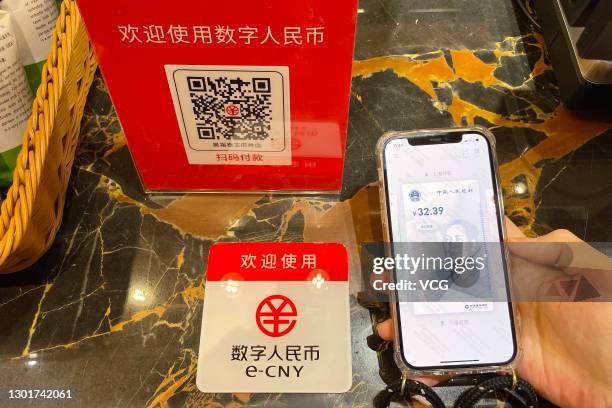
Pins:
x: 415, y: 196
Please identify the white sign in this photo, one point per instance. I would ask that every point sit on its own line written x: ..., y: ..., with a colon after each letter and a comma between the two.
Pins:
x: 276, y: 327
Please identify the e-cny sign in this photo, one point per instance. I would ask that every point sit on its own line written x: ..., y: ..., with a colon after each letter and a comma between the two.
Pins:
x: 276, y: 315
x: 275, y: 319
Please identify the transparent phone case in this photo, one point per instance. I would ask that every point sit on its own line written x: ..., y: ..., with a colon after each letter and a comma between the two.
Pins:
x: 406, y: 370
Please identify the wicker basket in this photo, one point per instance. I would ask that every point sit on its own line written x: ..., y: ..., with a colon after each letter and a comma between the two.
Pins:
x: 32, y: 211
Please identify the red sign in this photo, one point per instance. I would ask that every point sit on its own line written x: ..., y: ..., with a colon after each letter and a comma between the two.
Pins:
x: 277, y: 261
x: 248, y: 97
x: 276, y: 316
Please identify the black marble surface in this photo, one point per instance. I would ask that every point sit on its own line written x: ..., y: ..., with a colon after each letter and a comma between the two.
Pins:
x: 112, y: 312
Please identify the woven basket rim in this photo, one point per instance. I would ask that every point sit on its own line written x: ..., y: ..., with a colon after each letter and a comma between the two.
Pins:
x: 17, y: 208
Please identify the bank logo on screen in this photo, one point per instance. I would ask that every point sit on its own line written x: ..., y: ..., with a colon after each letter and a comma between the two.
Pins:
x: 415, y: 196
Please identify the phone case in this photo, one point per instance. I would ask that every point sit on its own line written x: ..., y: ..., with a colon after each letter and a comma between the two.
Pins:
x: 408, y: 371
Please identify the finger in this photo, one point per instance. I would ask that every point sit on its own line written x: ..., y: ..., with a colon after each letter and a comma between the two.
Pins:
x: 578, y: 257
x: 385, y: 330
x: 557, y: 254
x: 531, y: 281
x: 512, y: 231
x: 562, y: 253
x: 595, y: 267
x: 549, y: 249
x: 431, y: 381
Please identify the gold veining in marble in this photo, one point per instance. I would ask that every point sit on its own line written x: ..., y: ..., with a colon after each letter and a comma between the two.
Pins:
x: 565, y: 130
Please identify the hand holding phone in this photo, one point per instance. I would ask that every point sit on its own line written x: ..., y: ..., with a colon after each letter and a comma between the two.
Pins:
x: 550, y: 349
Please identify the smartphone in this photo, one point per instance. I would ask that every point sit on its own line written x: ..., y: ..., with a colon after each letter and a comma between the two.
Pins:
x: 440, y: 188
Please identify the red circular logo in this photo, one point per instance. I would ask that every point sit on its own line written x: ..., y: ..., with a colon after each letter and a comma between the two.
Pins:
x: 232, y: 110
x: 276, y: 315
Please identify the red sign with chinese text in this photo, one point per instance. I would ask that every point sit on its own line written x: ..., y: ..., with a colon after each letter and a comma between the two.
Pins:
x: 248, y: 97
x: 277, y: 261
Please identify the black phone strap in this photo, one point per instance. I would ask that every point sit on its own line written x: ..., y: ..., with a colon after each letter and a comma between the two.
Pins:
x: 519, y: 391
x: 515, y: 388
x: 405, y: 390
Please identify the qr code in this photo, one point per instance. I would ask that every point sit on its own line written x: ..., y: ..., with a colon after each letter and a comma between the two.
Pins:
x: 231, y: 108
x: 232, y: 113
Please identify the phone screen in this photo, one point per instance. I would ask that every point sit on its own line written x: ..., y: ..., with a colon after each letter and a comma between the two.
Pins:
x: 443, y: 189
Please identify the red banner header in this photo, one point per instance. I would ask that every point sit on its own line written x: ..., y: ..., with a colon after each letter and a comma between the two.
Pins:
x: 277, y: 261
